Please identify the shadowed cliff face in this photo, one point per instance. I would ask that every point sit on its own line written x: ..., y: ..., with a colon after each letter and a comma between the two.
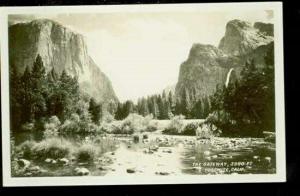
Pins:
x: 62, y: 49
x: 207, y: 66
x: 241, y: 38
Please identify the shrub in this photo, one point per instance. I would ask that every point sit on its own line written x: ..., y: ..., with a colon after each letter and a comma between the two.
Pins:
x: 107, y: 118
x: 27, y: 127
x: 113, y: 127
x: 54, y: 120
x: 51, y: 128
x: 152, y: 126
x: 145, y: 136
x: 104, y: 144
x: 175, y: 126
x: 52, y: 148
x: 136, y: 139
x: 190, y: 129
x: 135, y: 123
x: 86, y: 153
x: 127, y: 127
x: 204, y: 132
x: 26, y: 149
x: 77, y: 125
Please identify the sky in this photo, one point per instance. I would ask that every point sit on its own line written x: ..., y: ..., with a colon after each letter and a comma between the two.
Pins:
x: 141, y: 53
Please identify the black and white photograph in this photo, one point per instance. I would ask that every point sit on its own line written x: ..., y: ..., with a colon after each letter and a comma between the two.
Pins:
x: 142, y: 94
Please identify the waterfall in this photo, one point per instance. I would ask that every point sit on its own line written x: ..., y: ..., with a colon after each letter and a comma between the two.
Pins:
x: 228, y: 77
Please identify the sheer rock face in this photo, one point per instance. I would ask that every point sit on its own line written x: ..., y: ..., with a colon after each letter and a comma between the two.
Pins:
x: 207, y: 66
x: 241, y: 38
x: 61, y: 49
x: 267, y: 29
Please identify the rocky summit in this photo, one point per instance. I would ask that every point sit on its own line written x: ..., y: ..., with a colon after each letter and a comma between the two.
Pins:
x: 242, y: 38
x: 208, y: 66
x: 61, y: 49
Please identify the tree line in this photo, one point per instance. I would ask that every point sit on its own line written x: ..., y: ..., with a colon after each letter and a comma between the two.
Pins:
x: 36, y: 95
x: 165, y: 106
x: 247, y: 106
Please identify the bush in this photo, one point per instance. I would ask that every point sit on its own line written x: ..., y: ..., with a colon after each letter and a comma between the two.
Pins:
x: 136, y: 123
x: 112, y: 127
x: 51, y: 128
x: 204, y: 132
x: 86, y: 153
x: 104, y: 144
x: 107, y: 118
x: 175, y: 126
x: 27, y: 127
x: 52, y: 148
x: 152, y: 126
x: 145, y: 136
x: 136, y: 139
x: 26, y: 149
x: 77, y: 125
x: 190, y: 129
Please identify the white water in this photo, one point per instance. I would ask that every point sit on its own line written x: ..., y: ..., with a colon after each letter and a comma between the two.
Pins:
x: 228, y: 77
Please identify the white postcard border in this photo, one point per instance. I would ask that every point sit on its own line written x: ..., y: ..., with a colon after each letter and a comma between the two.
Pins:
x: 280, y: 175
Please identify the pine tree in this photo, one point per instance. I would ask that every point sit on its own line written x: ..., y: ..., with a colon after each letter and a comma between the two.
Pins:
x: 38, y: 87
x: 95, y: 110
x: 15, y: 97
x: 197, y: 110
x: 185, y: 104
x: 119, y: 112
x: 171, y: 101
x: 26, y: 96
x: 155, y: 108
x: 144, y: 107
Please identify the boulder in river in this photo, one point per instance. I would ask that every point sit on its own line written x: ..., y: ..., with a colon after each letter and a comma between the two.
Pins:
x: 81, y: 171
x: 167, y: 150
x: 153, y: 148
x: 268, y: 159
x: 35, y: 168
x: 131, y: 170
x: 48, y: 160
x: 103, y: 168
x: 63, y: 161
x: 24, y: 163
x: 206, y: 153
x: 163, y: 173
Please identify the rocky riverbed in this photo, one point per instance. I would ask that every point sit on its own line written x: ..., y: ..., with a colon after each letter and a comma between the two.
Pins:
x: 157, y: 154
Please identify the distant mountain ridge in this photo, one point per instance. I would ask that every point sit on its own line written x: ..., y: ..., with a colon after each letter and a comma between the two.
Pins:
x: 207, y: 66
x: 61, y: 49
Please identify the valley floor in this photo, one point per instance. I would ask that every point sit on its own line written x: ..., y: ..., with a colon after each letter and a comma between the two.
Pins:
x: 171, y: 155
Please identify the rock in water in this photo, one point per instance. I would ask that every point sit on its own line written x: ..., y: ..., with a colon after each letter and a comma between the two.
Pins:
x: 24, y: 163
x: 167, y: 150
x: 162, y: 173
x: 82, y: 171
x: 61, y: 49
x: 268, y: 159
x: 64, y: 161
x: 131, y: 170
x: 206, y: 153
x: 48, y: 160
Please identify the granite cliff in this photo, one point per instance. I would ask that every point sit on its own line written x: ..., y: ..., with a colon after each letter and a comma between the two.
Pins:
x: 61, y: 49
x: 208, y: 66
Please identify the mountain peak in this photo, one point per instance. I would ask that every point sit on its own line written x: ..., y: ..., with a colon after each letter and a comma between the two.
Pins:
x: 241, y: 37
x: 208, y: 66
x: 61, y: 49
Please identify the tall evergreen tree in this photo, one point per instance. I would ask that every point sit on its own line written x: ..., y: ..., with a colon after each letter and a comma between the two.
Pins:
x: 95, y: 110
x: 15, y: 98
x: 38, y: 87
